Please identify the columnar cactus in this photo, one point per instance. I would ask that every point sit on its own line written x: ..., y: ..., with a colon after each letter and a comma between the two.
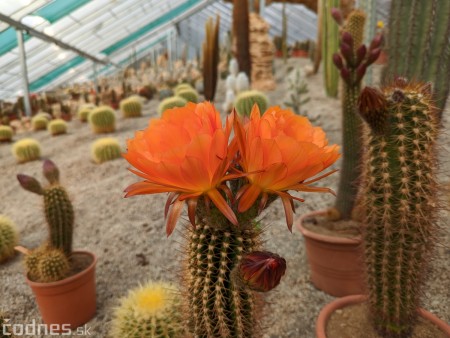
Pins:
x: 400, y: 200
x: 171, y: 102
x: 26, y: 150
x: 131, y: 107
x: 330, y: 44
x: 102, y: 120
x: 151, y: 311
x: 57, y: 206
x: 105, y: 149
x: 39, y: 122
x: 241, y: 34
x: 190, y: 95
x: 211, y: 58
x: 57, y: 127
x: 418, y: 44
x: 245, y: 101
x: 6, y: 133
x: 8, y: 238
x: 352, y: 62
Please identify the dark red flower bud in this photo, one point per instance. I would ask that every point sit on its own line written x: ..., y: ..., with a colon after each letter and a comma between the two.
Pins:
x: 30, y: 183
x: 360, y: 54
x: 345, y: 75
x: 400, y: 82
x: 337, y: 60
x: 376, y: 42
x: 51, y: 171
x: 347, y: 53
x: 373, y: 56
x: 261, y: 270
x: 360, y: 72
x: 372, y: 108
x: 337, y: 16
x: 347, y: 38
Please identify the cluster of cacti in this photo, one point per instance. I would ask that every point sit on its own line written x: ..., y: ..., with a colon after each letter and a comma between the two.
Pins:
x: 399, y: 196
x: 105, y: 149
x: 330, y: 44
x: 245, y: 101
x: 190, y: 95
x: 152, y: 311
x: 46, y: 264
x: 26, y: 150
x: 84, y: 111
x: 57, y: 127
x: 171, y: 102
x: 241, y: 34
x: 8, y: 238
x: 297, y: 88
x: 235, y: 83
x: 131, y: 107
x: 102, y: 120
x: 57, y: 207
x: 418, y: 44
x: 211, y: 58
x: 39, y: 122
x: 6, y: 133
x: 352, y: 61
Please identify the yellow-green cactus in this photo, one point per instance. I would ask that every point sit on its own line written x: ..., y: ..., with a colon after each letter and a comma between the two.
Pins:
x: 102, y: 120
x: 245, y: 101
x: 189, y: 95
x: 183, y: 86
x: 26, y: 150
x: 53, y: 265
x: 84, y: 111
x: 39, y: 122
x: 8, y: 238
x: 57, y: 127
x: 105, y: 149
x: 171, y: 102
x: 6, y: 133
x: 131, y: 107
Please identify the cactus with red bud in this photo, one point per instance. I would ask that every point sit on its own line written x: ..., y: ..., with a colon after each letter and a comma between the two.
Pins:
x: 261, y: 270
x: 57, y: 206
x: 399, y: 197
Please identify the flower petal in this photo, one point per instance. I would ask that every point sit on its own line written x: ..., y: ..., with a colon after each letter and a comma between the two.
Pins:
x: 174, y: 215
x: 222, y: 205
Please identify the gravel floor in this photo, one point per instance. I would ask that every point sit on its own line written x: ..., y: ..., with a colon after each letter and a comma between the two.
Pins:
x: 128, y: 234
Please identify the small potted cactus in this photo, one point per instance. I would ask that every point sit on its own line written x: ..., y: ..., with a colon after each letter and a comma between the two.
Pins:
x: 399, y: 197
x: 62, y: 280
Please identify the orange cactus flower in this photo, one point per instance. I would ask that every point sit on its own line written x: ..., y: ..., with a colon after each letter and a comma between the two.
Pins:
x: 185, y: 153
x: 279, y: 152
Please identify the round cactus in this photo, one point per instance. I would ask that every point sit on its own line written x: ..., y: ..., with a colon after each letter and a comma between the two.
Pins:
x: 171, y: 102
x: 131, y: 107
x: 31, y: 262
x: 151, y: 311
x: 183, y: 86
x: 106, y: 149
x: 84, y: 111
x: 57, y: 127
x: 26, y: 150
x: 189, y: 95
x: 8, y: 238
x: 245, y: 101
x: 6, y: 133
x: 52, y: 266
x: 102, y: 120
x: 165, y: 93
x: 39, y: 122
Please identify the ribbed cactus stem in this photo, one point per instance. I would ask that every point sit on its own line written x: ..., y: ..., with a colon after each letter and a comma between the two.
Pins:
x: 400, y: 200
x: 60, y: 218
x: 221, y: 305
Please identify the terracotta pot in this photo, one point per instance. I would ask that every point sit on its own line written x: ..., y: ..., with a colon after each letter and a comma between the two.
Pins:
x: 335, y: 262
x: 327, y: 311
x: 71, y: 301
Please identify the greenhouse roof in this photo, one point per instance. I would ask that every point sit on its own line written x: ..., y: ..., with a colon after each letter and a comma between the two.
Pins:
x: 115, y: 30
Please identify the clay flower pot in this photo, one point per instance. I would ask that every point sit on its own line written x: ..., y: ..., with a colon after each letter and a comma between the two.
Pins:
x: 71, y: 301
x: 335, y: 262
x: 327, y: 311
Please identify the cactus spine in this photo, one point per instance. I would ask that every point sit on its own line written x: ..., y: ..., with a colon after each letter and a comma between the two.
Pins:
x: 400, y: 200
x: 418, y: 46
x: 221, y: 306
x: 211, y: 58
x: 8, y: 238
x: 330, y: 44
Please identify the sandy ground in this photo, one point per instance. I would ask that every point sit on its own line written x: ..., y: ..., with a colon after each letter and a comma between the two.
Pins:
x: 122, y: 231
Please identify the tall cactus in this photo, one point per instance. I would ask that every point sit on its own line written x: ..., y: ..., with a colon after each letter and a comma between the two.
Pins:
x: 211, y: 58
x: 330, y: 44
x: 370, y: 8
x: 400, y: 200
x: 57, y: 206
x: 353, y: 61
x: 241, y: 33
x: 418, y: 44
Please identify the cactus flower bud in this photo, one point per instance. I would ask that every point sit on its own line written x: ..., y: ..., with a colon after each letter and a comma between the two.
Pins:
x: 347, y: 38
x: 372, y: 108
x: 360, y: 54
x: 337, y: 16
x: 376, y: 42
x: 51, y: 171
x: 30, y: 183
x: 347, y: 53
x: 345, y: 75
x: 360, y: 72
x: 337, y: 60
x: 262, y: 270
x: 400, y: 82
x: 373, y: 56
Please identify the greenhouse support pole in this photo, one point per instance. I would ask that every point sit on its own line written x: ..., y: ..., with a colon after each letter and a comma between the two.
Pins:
x: 169, y: 49
x: 262, y: 7
x: 23, y: 64
x: 94, y: 65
